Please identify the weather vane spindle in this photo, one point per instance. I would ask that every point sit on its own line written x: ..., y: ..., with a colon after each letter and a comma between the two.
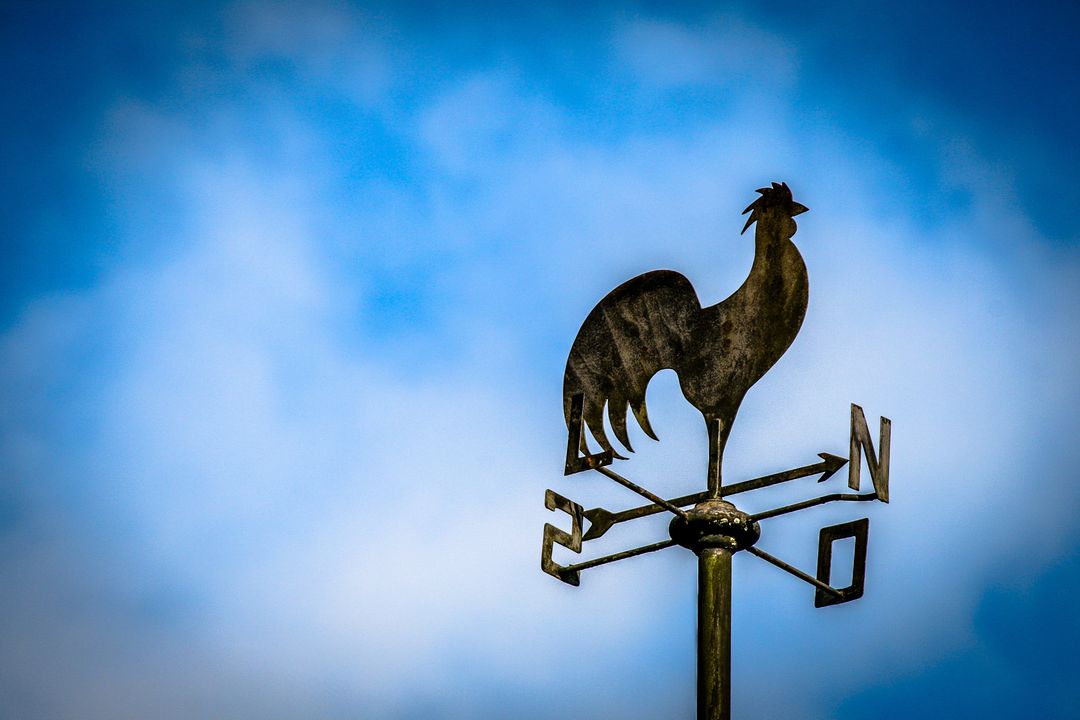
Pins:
x: 656, y: 322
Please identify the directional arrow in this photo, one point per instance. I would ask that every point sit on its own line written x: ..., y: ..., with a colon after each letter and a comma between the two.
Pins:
x: 827, y: 467
x: 601, y: 520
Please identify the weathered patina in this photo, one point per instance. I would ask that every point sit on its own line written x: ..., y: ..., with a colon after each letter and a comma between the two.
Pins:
x: 655, y: 322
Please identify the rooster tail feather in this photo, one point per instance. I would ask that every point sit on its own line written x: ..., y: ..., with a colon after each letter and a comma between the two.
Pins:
x: 594, y: 419
x: 642, y: 415
x: 616, y: 410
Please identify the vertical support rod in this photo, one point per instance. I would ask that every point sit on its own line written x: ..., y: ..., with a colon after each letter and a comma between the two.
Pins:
x: 715, y: 453
x: 714, y: 634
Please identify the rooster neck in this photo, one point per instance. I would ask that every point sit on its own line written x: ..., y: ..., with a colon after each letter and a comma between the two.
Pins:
x: 739, y: 339
x: 773, y: 248
x: 778, y: 274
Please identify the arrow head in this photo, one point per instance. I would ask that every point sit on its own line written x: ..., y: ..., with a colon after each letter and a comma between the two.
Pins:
x: 600, y: 521
x: 832, y: 464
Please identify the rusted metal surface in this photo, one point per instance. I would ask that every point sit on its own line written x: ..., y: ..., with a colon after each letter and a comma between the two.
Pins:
x: 833, y: 497
x: 576, y: 463
x: 827, y: 467
x: 772, y: 560
x: 714, y: 634
x: 858, y: 529
x: 860, y: 443
x: 552, y: 534
x: 601, y: 520
x: 714, y: 523
x: 641, y: 491
x: 656, y: 322
x: 605, y: 559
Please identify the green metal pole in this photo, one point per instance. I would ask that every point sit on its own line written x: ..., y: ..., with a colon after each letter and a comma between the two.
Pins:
x: 714, y: 634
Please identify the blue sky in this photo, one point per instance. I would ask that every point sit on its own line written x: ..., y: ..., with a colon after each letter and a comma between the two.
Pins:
x: 288, y: 292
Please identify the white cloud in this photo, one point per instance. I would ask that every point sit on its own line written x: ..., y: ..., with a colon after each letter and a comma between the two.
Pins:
x: 728, y: 53
x: 349, y: 529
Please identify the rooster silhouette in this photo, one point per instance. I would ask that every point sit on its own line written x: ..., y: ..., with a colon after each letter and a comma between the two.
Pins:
x: 656, y: 322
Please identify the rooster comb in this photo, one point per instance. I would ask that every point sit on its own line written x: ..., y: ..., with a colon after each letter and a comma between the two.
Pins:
x: 779, y: 195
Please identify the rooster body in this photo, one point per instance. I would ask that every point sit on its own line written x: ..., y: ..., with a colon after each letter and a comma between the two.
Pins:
x: 655, y: 322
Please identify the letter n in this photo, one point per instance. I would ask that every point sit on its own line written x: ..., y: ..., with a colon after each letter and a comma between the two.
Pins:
x: 862, y: 442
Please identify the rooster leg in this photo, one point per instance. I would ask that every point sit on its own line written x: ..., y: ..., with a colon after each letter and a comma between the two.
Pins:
x: 717, y: 440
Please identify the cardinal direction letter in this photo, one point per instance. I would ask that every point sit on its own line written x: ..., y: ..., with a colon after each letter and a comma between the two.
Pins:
x: 858, y: 529
x: 576, y: 463
x: 552, y: 534
x: 878, y: 463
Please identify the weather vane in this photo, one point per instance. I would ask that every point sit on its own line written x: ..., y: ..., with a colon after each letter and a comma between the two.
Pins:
x: 655, y: 322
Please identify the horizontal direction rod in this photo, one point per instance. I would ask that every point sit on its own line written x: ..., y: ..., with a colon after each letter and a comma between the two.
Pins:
x: 664, y: 504
x: 794, y: 571
x: 850, y: 497
x: 601, y: 520
x: 618, y: 556
x: 827, y: 467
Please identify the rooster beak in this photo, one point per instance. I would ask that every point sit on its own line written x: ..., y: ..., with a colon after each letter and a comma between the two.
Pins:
x: 797, y: 209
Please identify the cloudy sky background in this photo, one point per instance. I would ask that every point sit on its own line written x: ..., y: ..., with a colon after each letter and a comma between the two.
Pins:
x: 287, y: 293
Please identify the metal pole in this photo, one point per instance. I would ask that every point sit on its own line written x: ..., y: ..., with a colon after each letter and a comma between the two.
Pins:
x: 714, y: 634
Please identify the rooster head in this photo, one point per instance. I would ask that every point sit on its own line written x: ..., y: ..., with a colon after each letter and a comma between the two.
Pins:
x: 777, y: 197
